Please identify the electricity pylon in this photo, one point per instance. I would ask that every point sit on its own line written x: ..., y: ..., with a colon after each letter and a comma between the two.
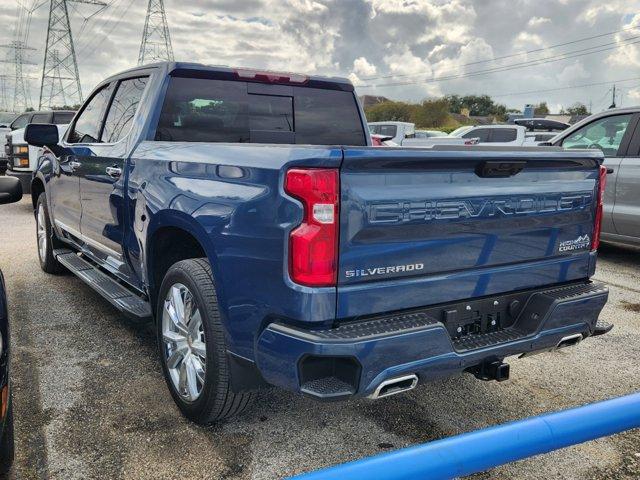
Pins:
x: 156, y: 41
x: 4, y: 101
x: 21, y: 97
x: 60, y: 77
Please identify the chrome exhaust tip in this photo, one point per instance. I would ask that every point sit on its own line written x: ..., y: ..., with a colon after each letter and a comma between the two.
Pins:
x: 570, y: 340
x: 395, y: 385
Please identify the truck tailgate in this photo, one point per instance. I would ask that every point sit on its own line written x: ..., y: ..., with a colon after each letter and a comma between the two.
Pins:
x: 421, y: 227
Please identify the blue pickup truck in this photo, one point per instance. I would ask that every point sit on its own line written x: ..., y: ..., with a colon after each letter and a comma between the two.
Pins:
x: 248, y: 216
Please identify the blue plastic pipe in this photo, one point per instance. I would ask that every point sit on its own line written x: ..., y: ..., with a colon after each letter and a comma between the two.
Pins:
x: 487, y: 448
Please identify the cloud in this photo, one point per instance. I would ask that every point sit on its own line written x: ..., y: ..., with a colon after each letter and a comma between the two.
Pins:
x: 409, y: 41
x: 570, y: 74
x: 535, y: 22
x: 362, y: 67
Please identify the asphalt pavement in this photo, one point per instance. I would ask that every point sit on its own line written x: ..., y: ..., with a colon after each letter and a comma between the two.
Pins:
x: 90, y: 400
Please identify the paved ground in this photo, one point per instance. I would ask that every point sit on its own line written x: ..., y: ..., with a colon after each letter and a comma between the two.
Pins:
x: 90, y: 401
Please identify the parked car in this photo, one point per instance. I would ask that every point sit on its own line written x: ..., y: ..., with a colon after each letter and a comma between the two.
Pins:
x: 21, y: 159
x: 404, y: 134
x: 398, y: 131
x: 429, y: 133
x: 247, y: 215
x: 537, y: 138
x: 541, y: 124
x: 10, y: 191
x: 616, y: 133
x: 380, y: 140
x: 496, y: 135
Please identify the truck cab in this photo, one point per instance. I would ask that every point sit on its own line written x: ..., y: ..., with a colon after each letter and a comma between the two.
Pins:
x: 21, y: 159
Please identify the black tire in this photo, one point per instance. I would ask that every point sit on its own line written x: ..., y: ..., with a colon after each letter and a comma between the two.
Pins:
x: 216, y: 401
x: 48, y: 261
x: 6, y: 444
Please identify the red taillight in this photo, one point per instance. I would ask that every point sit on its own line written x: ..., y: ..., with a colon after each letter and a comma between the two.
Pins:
x: 270, y: 77
x: 313, y: 246
x: 597, y: 226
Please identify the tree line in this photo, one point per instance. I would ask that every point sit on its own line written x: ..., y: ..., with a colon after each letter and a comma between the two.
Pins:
x: 437, y: 113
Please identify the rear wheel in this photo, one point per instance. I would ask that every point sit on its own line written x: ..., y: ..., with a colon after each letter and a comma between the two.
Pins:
x: 46, y: 237
x: 192, y: 346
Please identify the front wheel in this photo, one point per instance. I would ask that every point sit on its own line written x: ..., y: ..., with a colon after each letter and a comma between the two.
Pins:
x: 47, y: 239
x: 192, y: 346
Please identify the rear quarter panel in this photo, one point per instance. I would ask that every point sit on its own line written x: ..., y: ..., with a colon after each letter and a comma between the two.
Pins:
x: 231, y: 198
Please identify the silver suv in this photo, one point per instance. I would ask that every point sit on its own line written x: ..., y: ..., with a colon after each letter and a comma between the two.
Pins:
x: 617, y: 133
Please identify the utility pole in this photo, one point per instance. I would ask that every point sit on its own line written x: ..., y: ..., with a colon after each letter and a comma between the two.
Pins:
x: 60, y: 77
x: 156, y: 40
x: 21, y: 97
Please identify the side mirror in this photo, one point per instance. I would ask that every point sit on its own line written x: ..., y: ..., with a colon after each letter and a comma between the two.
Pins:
x: 41, y: 134
x: 10, y: 190
x: 544, y: 144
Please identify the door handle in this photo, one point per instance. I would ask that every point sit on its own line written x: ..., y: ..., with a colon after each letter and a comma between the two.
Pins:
x: 114, y: 172
x: 73, y: 165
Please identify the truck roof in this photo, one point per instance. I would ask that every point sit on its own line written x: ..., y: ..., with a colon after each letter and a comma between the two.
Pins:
x: 245, y: 74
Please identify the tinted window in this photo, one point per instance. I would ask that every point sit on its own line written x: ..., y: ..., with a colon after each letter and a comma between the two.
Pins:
x: 21, y: 121
x: 41, y: 118
x: 203, y: 110
x: 385, y: 130
x: 604, y: 134
x: 543, y: 137
x: 327, y: 117
x: 207, y: 110
x: 269, y: 113
x: 123, y: 108
x: 87, y: 126
x: 481, y: 133
x: 62, y: 118
x: 504, y: 135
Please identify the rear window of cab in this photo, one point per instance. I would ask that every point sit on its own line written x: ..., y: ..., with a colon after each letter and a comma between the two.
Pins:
x: 211, y: 110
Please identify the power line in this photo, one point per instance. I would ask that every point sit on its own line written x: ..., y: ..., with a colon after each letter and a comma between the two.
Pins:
x: 516, y: 66
x: 98, y: 39
x: 477, y: 62
x: 594, y: 84
x: 21, y: 97
x: 60, y: 76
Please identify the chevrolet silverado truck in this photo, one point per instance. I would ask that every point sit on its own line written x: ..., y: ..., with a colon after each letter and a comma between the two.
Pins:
x: 248, y: 216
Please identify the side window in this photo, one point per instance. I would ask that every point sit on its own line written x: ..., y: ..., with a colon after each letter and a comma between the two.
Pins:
x: 21, y: 121
x: 88, y: 124
x: 40, y: 118
x: 202, y: 110
x: 481, y: 133
x: 604, y: 134
x: 329, y: 117
x: 385, y: 130
x: 123, y: 109
x: 504, y: 135
x: 62, y: 118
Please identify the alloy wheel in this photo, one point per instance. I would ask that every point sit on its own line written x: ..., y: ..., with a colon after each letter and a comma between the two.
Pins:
x: 41, y: 229
x: 185, y: 348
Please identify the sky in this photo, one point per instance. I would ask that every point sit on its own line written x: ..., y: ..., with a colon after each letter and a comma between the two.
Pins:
x: 430, y: 47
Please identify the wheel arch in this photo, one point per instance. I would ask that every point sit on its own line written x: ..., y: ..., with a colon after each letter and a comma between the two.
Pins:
x: 173, y: 236
x: 37, y: 187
